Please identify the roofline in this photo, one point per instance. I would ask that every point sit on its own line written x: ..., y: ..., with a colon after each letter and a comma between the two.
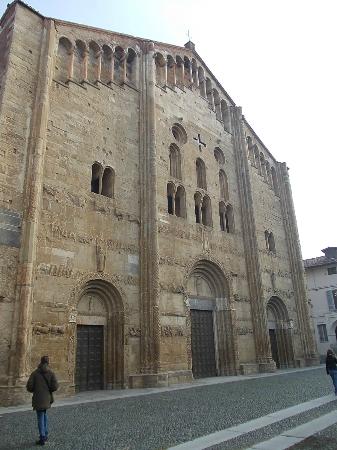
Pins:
x: 139, y: 39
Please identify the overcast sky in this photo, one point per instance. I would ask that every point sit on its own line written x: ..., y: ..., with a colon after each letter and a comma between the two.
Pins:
x: 276, y: 59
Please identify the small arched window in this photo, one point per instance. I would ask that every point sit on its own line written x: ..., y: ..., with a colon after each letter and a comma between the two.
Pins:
x: 175, y: 162
x: 202, y: 83
x: 96, y: 178
x: 78, y: 70
x: 180, y: 202
x: 179, y: 72
x: 257, y: 159
x: 94, y: 62
x: 223, y: 185
x: 107, y: 65
x: 219, y: 156
x: 206, y: 211
x: 160, y: 70
x: 222, y: 212
x: 187, y: 72
x: 197, y: 207
x: 268, y: 174
x: 201, y: 174
x: 250, y: 150
x: 229, y: 219
x: 62, y: 66
x: 274, y: 180
x: 170, y: 198
x: 225, y: 116
x: 194, y: 73
x: 171, y: 72
x: 119, y: 65
x: 270, y: 241
x: 108, y: 182
x: 263, y: 166
x: 209, y: 93
x: 131, y: 67
x: 102, y: 181
x: 179, y: 133
x: 217, y: 105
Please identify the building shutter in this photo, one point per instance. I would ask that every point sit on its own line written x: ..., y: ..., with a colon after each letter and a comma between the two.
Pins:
x: 331, y: 302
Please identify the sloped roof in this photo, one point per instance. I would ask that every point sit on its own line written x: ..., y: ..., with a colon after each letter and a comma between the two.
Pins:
x: 319, y: 261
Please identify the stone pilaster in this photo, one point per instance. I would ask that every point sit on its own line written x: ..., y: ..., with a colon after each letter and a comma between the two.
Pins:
x: 296, y: 266
x: 149, y: 266
x: 259, y: 314
x: 21, y: 345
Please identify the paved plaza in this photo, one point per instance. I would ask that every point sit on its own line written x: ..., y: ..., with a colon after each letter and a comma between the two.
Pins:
x: 221, y: 413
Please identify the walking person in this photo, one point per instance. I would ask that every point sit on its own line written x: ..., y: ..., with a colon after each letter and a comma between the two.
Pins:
x: 42, y: 383
x: 331, y: 367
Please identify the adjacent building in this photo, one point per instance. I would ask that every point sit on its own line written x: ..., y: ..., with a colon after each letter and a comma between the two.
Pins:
x: 147, y: 235
x: 321, y: 274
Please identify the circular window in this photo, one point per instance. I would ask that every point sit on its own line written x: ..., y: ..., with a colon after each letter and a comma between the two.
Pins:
x: 179, y: 133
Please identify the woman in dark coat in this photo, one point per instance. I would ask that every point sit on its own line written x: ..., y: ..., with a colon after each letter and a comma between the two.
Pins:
x: 42, y: 383
x: 331, y: 367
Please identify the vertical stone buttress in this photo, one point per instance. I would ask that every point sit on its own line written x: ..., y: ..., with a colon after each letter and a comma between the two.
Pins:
x: 20, y: 357
x: 149, y: 259
x: 259, y: 313
x: 296, y: 265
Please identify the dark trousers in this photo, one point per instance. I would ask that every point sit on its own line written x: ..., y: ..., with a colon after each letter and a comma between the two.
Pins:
x: 333, y: 375
x: 42, y: 423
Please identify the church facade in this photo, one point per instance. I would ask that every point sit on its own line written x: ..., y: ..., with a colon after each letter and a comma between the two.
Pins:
x: 147, y: 236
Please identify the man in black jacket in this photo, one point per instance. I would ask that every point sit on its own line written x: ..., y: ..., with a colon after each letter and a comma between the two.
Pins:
x: 42, y: 383
x: 331, y: 367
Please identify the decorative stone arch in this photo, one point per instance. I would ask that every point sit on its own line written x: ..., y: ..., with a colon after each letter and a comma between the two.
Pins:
x: 207, y: 286
x: 132, y: 66
x: 209, y: 93
x: 280, y: 333
x: 217, y: 104
x: 202, y: 82
x: 201, y: 174
x: 223, y: 185
x: 219, y: 156
x: 225, y: 115
x: 160, y: 64
x: 96, y: 177
x: 80, y: 61
x: 107, y: 67
x: 180, y: 72
x: 171, y: 72
x: 119, y: 64
x: 179, y: 133
x: 187, y: 72
x: 175, y: 161
x: 94, y: 62
x: 97, y: 299
x: 64, y: 60
x: 274, y: 180
x: 195, y: 79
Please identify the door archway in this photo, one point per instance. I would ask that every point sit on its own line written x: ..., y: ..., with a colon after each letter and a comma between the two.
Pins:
x: 211, y: 316
x: 99, y: 337
x: 280, y: 333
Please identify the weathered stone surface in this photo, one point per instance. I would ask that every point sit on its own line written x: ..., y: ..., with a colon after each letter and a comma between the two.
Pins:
x: 130, y: 194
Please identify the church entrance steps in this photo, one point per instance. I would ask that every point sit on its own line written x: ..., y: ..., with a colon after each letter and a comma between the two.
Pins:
x: 283, y: 441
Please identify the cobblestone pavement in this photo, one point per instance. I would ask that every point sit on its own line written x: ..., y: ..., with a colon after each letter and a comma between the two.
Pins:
x: 162, y: 420
x: 325, y: 440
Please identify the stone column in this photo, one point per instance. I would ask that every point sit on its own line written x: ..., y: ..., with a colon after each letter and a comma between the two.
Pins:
x: 149, y: 259
x: 259, y: 314
x: 32, y: 207
x: 296, y: 266
x: 112, y: 68
x: 85, y: 65
x: 71, y: 63
x: 99, y: 65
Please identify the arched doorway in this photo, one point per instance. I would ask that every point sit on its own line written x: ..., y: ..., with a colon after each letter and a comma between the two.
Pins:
x: 212, y: 322
x: 280, y: 334
x: 99, y: 337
